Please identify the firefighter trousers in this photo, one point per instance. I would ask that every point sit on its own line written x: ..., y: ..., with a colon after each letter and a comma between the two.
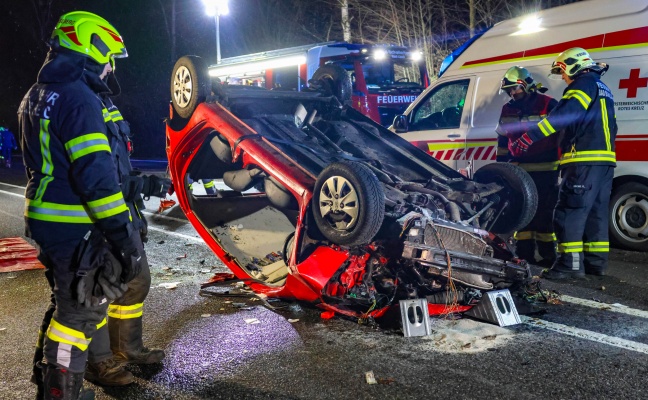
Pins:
x: 539, y: 233
x: 125, y: 313
x: 68, y: 329
x: 581, y: 218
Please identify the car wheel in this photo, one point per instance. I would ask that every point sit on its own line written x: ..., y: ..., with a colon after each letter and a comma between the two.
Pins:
x: 190, y: 85
x: 348, y: 203
x: 520, y: 192
x: 629, y: 216
x: 336, y: 81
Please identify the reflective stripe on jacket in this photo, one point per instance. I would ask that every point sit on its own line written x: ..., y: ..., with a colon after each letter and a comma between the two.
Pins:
x: 516, y: 119
x: 586, y: 114
x: 71, y: 176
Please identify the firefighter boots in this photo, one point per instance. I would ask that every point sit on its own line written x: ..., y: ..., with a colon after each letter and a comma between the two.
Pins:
x: 61, y: 384
x: 142, y: 356
x: 108, y: 373
x: 555, y: 274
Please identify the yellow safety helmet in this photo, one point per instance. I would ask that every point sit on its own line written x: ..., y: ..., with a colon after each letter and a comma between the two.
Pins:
x: 90, y: 35
x: 517, y: 76
x: 572, y: 61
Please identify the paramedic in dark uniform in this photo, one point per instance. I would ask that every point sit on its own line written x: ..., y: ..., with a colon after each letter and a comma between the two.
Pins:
x: 528, y: 105
x: 586, y: 114
x: 75, y: 210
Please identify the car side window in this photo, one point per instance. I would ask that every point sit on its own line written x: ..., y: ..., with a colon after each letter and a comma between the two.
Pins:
x: 443, y: 107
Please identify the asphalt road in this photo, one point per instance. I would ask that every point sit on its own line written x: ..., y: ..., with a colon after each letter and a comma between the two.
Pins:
x: 594, y: 345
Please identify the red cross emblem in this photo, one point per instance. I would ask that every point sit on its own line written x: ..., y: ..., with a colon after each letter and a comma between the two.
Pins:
x: 633, y: 83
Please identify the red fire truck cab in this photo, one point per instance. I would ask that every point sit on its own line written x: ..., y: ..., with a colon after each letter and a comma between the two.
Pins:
x: 385, y: 78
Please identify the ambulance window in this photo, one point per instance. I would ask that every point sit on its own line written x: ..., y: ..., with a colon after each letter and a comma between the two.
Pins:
x: 443, y: 107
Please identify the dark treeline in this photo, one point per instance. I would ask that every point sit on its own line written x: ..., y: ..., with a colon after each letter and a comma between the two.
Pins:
x: 157, y: 32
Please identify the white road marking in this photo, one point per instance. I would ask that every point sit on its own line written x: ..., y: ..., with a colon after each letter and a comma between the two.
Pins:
x: 9, y: 184
x: 620, y: 308
x: 195, y: 239
x: 12, y: 193
x: 585, y: 334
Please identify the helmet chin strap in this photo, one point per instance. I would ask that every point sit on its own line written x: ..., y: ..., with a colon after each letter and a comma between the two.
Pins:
x: 113, y: 84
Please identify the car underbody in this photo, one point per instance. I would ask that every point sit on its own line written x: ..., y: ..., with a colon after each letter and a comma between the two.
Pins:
x: 319, y: 203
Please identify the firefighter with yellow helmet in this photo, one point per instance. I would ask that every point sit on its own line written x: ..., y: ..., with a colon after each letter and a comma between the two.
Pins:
x: 586, y: 115
x: 75, y: 210
x: 527, y: 106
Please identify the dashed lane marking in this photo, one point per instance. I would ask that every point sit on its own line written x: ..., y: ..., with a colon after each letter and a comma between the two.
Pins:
x: 10, y: 185
x: 585, y: 334
x: 619, y: 308
x: 12, y: 193
x: 180, y: 235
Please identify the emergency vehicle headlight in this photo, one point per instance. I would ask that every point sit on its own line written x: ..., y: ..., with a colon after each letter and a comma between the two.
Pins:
x: 416, y: 56
x: 379, y: 54
x: 530, y: 24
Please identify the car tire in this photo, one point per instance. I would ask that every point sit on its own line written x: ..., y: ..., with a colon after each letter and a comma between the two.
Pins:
x: 628, y: 216
x: 190, y: 85
x: 519, y: 189
x: 336, y: 81
x: 357, y: 221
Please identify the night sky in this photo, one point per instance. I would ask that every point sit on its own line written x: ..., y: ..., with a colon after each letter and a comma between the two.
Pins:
x: 145, y: 26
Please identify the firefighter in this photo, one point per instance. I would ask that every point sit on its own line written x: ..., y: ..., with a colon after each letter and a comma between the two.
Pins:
x: 529, y: 105
x: 7, y: 145
x: 586, y: 114
x: 74, y: 209
x: 124, y: 326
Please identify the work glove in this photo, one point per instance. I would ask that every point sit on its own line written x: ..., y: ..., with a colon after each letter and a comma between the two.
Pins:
x: 155, y: 186
x: 100, y: 284
x: 519, y: 147
x: 144, y: 230
x: 97, y: 272
x: 127, y: 253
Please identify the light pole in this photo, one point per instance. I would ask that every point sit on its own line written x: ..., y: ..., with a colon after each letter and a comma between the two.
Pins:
x: 216, y: 8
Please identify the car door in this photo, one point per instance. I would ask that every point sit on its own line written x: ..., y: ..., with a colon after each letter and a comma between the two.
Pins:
x: 439, y: 122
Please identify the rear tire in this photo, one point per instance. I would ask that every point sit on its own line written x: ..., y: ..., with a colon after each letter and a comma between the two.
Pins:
x: 335, y: 80
x: 190, y: 85
x: 628, y: 217
x: 519, y: 190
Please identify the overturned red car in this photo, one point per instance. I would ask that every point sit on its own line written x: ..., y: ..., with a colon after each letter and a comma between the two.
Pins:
x: 323, y: 205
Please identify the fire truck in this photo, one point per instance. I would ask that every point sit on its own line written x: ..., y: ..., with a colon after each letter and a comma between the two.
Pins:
x: 385, y: 78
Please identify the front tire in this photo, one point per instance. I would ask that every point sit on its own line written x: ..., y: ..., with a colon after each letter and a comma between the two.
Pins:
x: 628, y: 216
x: 348, y: 203
x: 519, y: 190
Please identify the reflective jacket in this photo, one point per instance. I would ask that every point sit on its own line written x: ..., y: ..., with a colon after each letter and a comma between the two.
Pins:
x: 120, y: 146
x: 516, y: 118
x: 586, y: 114
x: 71, y: 176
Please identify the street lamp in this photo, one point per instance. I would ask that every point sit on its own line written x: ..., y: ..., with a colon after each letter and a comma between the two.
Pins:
x: 216, y: 8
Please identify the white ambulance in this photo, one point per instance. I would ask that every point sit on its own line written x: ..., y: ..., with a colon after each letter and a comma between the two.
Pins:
x: 455, y: 118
